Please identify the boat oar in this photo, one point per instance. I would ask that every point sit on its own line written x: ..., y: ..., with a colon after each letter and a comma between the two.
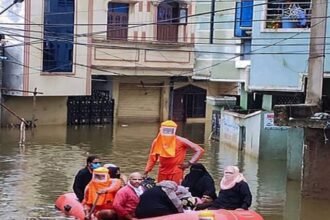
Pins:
x: 89, y: 215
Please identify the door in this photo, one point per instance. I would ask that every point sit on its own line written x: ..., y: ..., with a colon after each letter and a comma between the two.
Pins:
x: 189, y: 102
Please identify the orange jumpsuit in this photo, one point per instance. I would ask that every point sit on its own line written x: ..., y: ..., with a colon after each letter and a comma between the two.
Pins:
x: 169, y: 167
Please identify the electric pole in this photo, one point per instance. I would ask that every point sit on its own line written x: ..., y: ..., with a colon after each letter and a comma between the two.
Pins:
x: 316, y: 52
x: 212, y: 21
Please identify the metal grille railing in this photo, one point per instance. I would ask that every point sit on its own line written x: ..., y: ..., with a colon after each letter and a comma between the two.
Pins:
x: 285, y: 14
x: 288, y: 99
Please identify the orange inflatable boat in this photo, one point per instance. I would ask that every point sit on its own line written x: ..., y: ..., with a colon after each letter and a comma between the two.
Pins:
x: 70, y: 206
x: 68, y: 203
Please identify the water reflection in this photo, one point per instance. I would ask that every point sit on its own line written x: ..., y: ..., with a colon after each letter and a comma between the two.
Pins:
x: 31, y: 178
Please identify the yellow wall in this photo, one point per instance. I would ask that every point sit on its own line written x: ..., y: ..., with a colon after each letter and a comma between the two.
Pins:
x: 49, y: 110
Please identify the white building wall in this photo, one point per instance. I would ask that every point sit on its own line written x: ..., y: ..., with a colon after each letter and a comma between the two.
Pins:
x: 231, y: 135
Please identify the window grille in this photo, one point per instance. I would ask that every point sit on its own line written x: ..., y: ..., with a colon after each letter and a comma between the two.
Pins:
x: 288, y: 14
x: 288, y: 99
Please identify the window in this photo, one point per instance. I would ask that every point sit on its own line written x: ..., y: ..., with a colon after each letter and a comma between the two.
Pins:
x: 58, y: 35
x: 245, y: 49
x: 288, y: 14
x: 243, y: 18
x: 117, y: 21
x: 168, y: 13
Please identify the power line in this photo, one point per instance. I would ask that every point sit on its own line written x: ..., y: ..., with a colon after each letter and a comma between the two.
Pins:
x: 40, y: 40
x: 270, y: 44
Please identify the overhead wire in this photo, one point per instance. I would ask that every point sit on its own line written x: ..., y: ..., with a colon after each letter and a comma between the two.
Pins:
x: 241, y: 54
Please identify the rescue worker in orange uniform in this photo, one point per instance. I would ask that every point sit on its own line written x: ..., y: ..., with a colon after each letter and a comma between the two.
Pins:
x: 170, y: 150
x: 100, y: 193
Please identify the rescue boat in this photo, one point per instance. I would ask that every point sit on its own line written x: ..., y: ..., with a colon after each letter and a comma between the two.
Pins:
x: 70, y: 206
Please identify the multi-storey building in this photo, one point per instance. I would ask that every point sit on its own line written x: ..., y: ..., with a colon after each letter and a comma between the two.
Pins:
x: 218, y: 60
x: 140, y: 51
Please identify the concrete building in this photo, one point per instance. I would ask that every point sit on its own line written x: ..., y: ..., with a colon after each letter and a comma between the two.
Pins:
x: 218, y: 60
x: 140, y: 51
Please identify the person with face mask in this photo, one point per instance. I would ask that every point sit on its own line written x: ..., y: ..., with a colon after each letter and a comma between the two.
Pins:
x: 170, y: 149
x: 198, y: 180
x: 84, y: 176
x: 234, y: 191
x: 100, y: 193
x: 128, y: 197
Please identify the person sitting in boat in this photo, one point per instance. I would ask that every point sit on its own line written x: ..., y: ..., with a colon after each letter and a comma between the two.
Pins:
x: 100, y: 193
x: 170, y: 149
x: 199, y: 181
x: 189, y: 202
x: 206, y: 201
x: 234, y: 191
x: 84, y: 176
x: 114, y: 172
x: 159, y: 200
x: 128, y: 197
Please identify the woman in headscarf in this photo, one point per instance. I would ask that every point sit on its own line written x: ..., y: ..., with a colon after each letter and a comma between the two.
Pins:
x: 234, y: 191
x: 199, y: 181
x: 159, y: 200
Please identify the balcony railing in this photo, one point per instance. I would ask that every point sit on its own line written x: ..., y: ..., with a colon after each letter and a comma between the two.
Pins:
x: 288, y: 14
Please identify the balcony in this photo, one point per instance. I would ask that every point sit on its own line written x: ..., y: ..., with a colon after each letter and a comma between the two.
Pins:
x: 141, y: 58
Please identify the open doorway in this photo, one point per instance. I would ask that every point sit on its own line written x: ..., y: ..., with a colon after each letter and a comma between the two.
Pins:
x: 188, y: 102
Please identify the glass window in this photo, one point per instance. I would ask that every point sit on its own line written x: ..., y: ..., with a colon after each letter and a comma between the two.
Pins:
x: 58, y: 35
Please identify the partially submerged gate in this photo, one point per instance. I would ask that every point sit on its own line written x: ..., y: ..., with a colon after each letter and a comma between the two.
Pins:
x: 94, y: 109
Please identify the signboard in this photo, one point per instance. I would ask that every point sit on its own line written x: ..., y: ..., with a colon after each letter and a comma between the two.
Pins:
x: 269, y: 120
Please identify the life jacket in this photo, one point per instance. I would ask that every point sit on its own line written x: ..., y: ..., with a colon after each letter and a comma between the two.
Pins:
x: 101, y: 180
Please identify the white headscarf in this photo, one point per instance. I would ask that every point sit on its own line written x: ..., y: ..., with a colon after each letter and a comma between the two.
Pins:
x: 231, y: 177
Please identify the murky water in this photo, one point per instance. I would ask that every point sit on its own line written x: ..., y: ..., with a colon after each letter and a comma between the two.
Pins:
x: 31, y: 178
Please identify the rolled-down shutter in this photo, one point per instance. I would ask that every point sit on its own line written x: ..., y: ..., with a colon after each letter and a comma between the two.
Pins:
x: 138, y: 103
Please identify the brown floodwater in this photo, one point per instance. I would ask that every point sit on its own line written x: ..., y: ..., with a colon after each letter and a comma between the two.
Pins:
x: 33, y: 176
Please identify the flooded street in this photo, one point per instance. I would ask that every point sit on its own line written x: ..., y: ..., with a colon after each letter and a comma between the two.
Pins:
x: 32, y: 177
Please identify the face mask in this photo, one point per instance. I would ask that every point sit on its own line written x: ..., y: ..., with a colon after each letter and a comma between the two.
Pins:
x: 95, y: 165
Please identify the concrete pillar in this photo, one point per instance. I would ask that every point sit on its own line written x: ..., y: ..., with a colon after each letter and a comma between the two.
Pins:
x: 115, y: 96
x: 165, y: 101
x: 295, y: 153
x: 316, y: 169
x: 1, y: 74
x: 267, y: 102
x: 243, y: 98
